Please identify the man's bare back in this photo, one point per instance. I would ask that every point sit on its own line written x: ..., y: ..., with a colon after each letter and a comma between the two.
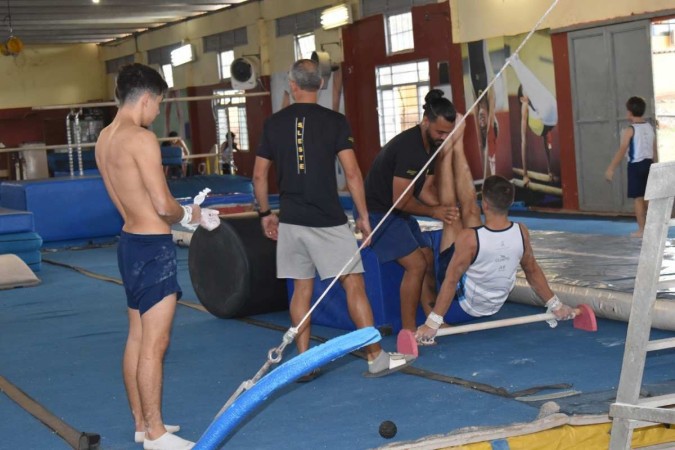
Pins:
x: 130, y: 162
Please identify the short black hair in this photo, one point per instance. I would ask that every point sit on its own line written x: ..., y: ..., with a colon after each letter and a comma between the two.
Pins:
x: 498, y: 192
x: 135, y: 79
x: 636, y: 106
x: 436, y: 105
x: 173, y: 134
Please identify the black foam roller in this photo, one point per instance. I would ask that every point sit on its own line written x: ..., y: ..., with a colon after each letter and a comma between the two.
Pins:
x: 233, y: 269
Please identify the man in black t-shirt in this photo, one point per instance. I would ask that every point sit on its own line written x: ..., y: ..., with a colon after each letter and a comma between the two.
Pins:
x: 399, y: 238
x: 312, y: 233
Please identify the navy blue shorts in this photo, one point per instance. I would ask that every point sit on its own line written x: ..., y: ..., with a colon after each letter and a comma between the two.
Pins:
x: 455, y: 314
x: 399, y: 236
x: 147, y: 264
x: 637, y: 177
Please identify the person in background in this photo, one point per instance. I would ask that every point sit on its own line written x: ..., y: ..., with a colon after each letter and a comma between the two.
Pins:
x: 638, y: 144
x: 227, y: 149
x: 177, y: 142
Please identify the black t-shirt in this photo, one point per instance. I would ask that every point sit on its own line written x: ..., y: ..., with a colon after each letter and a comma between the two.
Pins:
x: 403, y: 157
x: 303, y: 140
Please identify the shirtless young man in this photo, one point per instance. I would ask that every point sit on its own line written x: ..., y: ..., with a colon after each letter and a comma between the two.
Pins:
x: 129, y: 159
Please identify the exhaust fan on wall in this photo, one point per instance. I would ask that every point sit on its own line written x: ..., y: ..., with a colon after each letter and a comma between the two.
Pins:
x: 245, y: 72
x: 326, y: 67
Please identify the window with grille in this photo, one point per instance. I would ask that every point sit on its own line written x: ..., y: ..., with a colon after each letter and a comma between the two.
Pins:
x: 304, y: 46
x: 301, y: 23
x: 400, y: 96
x: 225, y: 60
x: 231, y: 115
x: 114, y: 65
x: 399, y: 29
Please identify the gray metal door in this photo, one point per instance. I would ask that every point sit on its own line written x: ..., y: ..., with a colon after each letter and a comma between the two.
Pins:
x: 609, y: 64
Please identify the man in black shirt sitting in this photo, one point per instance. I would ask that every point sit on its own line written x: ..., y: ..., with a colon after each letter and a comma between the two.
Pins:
x: 399, y: 238
x: 313, y: 235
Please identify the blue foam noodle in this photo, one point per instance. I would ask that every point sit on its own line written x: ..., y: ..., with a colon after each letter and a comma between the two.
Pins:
x: 312, y: 359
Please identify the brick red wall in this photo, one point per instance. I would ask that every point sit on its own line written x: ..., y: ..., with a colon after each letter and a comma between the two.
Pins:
x: 365, y: 49
x: 563, y: 88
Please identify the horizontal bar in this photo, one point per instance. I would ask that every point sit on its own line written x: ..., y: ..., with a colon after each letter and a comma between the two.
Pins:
x: 537, y: 187
x: 166, y: 100
x: 84, y: 145
x: 534, y: 175
x: 495, y: 324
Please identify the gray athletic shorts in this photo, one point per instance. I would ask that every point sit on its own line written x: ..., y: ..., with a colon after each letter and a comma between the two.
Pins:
x: 302, y: 251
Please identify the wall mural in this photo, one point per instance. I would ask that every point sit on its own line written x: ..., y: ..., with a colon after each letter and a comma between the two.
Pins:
x: 515, y: 133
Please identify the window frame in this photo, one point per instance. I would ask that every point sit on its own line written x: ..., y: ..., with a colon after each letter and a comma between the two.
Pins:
x: 242, y: 137
x: 221, y: 67
x: 389, y: 37
x: 297, y: 46
x: 390, y: 126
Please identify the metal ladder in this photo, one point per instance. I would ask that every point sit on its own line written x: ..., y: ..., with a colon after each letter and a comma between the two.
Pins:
x: 629, y: 411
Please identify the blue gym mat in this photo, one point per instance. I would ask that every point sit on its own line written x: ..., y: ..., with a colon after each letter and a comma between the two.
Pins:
x: 62, y: 344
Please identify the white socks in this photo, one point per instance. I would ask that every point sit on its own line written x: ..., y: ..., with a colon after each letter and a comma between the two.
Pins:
x: 139, y: 436
x: 168, y: 441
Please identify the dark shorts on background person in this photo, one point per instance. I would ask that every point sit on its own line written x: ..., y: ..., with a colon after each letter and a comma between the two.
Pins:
x: 456, y: 313
x: 398, y: 236
x: 148, y: 266
x: 638, y: 173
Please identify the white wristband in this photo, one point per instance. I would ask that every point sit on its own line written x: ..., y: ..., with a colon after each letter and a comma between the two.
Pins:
x: 434, y: 321
x: 187, y: 215
x: 554, y: 303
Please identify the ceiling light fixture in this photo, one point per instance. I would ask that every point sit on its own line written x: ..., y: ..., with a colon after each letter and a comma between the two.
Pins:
x: 336, y: 16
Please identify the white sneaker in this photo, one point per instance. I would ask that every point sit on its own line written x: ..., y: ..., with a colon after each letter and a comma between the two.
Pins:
x: 168, y: 441
x: 139, y: 436
x: 397, y: 361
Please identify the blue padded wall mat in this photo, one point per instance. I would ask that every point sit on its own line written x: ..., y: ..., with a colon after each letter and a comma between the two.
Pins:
x: 65, y: 208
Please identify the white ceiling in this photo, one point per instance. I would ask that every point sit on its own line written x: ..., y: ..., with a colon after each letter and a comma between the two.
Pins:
x: 82, y: 21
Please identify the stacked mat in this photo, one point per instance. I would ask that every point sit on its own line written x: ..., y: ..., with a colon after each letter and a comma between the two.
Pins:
x: 18, y: 237
x: 65, y: 209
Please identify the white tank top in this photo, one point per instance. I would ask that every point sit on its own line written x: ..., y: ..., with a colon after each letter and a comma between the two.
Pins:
x: 641, y: 145
x: 492, y: 274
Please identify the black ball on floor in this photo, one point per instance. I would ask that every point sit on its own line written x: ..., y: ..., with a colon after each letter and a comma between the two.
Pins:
x: 388, y: 429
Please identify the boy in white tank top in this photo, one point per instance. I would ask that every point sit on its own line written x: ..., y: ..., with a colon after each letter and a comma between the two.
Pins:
x: 478, y: 263
x: 638, y: 145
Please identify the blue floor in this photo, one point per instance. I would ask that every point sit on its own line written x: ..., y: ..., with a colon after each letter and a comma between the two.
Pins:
x: 62, y: 343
